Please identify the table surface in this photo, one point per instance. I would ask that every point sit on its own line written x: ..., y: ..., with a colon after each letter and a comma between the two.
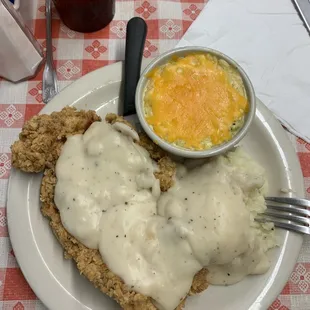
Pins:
x: 76, y: 54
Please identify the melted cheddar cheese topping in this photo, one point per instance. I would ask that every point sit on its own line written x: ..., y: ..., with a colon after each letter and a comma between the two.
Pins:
x: 194, y: 101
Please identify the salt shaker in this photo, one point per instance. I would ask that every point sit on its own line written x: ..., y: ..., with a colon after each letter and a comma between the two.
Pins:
x: 20, y: 54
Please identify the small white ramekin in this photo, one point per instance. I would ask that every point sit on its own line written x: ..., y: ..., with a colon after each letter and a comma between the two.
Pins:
x: 216, y: 150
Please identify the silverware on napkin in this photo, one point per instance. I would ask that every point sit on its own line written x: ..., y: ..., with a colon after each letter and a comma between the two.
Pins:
x: 50, y: 88
x: 303, y: 8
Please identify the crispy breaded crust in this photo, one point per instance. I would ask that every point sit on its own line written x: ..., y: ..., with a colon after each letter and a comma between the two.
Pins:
x: 43, y: 136
x: 34, y: 153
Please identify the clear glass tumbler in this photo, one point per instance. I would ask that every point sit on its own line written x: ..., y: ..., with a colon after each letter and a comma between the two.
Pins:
x: 85, y: 15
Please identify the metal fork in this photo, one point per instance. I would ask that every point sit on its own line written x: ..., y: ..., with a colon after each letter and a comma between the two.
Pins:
x: 50, y: 88
x: 288, y: 213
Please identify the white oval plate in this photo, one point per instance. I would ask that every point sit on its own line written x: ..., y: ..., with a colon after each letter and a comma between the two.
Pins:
x: 57, y: 282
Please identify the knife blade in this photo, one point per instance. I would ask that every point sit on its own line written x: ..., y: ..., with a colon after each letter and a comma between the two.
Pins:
x: 303, y: 8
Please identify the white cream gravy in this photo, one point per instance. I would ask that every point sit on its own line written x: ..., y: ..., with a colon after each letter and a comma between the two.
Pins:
x: 109, y: 199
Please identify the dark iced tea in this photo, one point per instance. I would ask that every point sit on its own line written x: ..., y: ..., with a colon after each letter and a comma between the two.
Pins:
x: 85, y: 15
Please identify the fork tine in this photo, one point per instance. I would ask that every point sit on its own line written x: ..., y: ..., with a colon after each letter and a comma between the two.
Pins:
x: 286, y: 224
x: 288, y: 216
x: 288, y: 208
x: 291, y: 201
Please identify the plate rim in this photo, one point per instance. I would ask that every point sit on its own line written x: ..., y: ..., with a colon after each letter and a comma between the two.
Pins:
x: 100, y: 78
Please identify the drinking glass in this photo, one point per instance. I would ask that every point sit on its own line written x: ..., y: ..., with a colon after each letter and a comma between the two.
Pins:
x: 85, y: 15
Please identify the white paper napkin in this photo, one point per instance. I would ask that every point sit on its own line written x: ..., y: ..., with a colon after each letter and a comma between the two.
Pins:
x: 268, y: 39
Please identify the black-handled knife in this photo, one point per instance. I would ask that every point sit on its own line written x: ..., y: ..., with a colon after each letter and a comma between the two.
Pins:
x: 135, y: 40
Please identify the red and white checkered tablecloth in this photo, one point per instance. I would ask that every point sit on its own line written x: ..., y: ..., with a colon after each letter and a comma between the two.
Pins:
x: 77, y: 54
